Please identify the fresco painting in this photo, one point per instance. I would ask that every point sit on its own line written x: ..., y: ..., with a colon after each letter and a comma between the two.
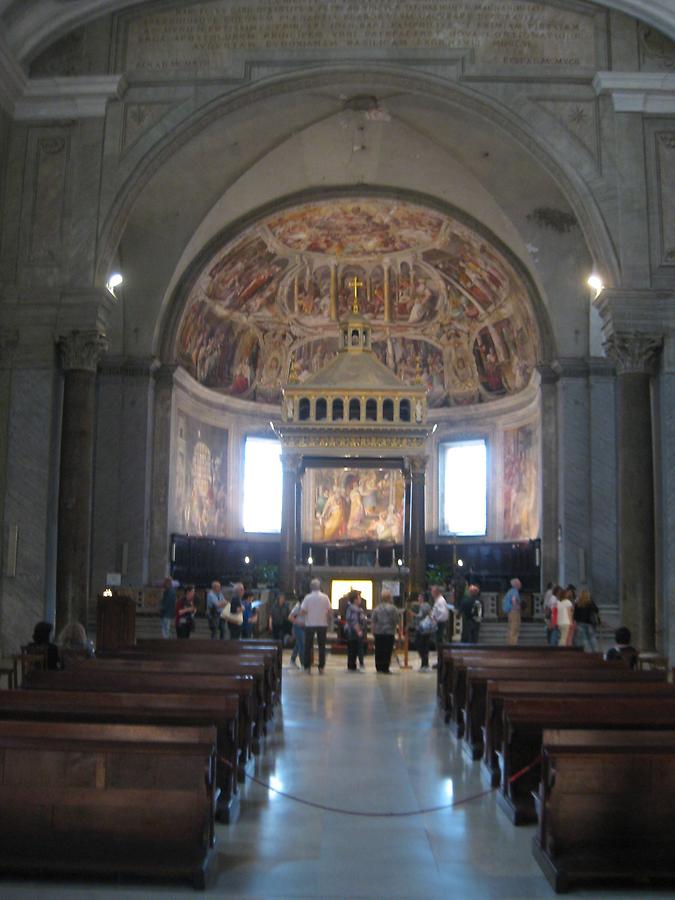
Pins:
x: 200, y: 499
x: 450, y: 303
x: 347, y: 505
x: 521, y: 483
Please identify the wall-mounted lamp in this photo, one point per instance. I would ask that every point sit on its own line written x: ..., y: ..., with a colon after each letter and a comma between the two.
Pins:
x: 596, y: 284
x: 460, y: 563
x: 399, y: 563
x: 114, y: 281
x: 107, y: 592
x: 247, y: 560
x: 310, y: 561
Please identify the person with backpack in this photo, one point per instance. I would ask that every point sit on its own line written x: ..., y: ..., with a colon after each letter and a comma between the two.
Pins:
x: 424, y: 628
x: 471, y: 610
x: 511, y: 605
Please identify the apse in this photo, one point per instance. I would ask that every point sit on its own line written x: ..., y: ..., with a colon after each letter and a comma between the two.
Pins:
x: 447, y: 305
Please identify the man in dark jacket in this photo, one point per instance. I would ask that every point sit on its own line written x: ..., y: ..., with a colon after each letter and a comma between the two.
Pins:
x: 471, y: 611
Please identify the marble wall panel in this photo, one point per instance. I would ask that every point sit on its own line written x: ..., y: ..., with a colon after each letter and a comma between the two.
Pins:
x: 32, y: 450
x: 666, y: 526
x: 603, y: 561
x: 574, y: 485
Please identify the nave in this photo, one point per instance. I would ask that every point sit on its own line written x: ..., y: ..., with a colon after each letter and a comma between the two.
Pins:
x: 364, y: 742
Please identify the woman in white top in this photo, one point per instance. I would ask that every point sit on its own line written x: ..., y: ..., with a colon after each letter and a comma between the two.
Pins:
x: 565, y: 611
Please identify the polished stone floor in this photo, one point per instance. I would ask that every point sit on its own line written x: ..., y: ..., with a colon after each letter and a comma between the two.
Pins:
x: 367, y: 743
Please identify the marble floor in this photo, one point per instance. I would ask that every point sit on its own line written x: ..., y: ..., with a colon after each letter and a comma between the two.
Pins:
x: 368, y: 743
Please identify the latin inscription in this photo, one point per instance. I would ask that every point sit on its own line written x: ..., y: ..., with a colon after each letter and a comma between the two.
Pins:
x: 200, y: 39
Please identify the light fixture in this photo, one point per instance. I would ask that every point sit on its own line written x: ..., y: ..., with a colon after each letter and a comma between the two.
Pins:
x: 114, y: 281
x: 596, y: 284
x: 309, y: 561
x: 399, y: 562
x: 460, y: 563
x: 247, y: 560
x: 435, y: 428
x: 107, y: 592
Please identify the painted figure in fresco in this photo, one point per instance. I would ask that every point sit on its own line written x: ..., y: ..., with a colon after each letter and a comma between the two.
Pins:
x: 356, y: 513
x: 333, y: 517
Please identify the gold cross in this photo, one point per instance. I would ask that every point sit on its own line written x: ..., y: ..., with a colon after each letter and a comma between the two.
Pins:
x: 355, y: 284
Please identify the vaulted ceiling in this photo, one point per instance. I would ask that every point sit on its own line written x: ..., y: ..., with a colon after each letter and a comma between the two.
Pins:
x: 29, y: 25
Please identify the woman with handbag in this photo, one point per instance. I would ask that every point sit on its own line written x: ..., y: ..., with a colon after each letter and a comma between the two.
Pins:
x: 586, y: 620
x: 425, y: 626
x: 355, y: 631
x: 185, y: 613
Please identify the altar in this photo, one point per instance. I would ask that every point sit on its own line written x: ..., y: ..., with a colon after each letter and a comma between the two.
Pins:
x: 354, y: 459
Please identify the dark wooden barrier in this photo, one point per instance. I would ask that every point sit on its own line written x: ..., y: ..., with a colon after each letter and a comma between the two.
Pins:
x: 107, y: 800
x: 188, y: 710
x: 525, y: 720
x: 614, y: 682
x: 607, y: 803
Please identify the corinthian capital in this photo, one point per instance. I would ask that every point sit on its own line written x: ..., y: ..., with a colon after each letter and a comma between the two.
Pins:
x: 82, y: 350
x: 634, y: 352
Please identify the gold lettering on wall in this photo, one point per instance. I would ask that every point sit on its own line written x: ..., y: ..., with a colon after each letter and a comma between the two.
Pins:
x: 201, y: 38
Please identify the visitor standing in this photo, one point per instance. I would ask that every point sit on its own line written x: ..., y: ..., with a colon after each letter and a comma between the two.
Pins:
x: 440, y: 613
x: 385, y: 620
x: 185, y: 613
x: 512, y: 606
x: 471, y: 610
x: 424, y: 626
x: 250, y: 614
x: 317, y: 612
x: 297, y: 620
x: 167, y: 607
x: 586, y: 622
x: 278, y: 618
x: 565, y: 618
x: 235, y: 620
x: 355, y: 632
x: 551, y: 600
x: 215, y: 602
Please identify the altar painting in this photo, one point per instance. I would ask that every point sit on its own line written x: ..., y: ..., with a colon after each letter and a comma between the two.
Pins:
x: 200, y: 474
x: 521, y: 483
x: 347, y: 505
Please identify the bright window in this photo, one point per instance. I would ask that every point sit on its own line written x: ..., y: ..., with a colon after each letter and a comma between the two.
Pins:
x: 463, y: 482
x: 262, y: 486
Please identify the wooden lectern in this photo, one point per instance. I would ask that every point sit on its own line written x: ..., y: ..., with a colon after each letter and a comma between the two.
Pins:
x: 115, y: 623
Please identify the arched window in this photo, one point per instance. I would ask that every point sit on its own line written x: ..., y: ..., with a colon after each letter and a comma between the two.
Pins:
x: 371, y: 410
x: 404, y: 411
x: 354, y: 410
x: 388, y: 410
x: 321, y: 409
x: 303, y: 409
x: 338, y: 410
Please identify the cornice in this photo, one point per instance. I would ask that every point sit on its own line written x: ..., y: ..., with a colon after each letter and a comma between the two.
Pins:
x: 639, y: 92
x: 76, y: 97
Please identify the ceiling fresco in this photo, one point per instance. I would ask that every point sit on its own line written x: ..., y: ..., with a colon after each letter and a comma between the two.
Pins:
x: 445, y: 305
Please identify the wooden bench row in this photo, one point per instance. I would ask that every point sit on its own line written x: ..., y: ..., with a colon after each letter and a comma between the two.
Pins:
x: 513, y: 708
x: 85, y: 730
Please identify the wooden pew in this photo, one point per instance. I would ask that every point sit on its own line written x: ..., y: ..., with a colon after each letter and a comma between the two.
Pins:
x: 188, y: 710
x: 495, y: 651
x: 271, y: 651
x: 107, y: 800
x: 445, y: 657
x: 562, y: 662
x: 217, y: 686
x: 266, y: 659
x: 607, y: 801
x: 610, y: 682
x: 525, y: 720
x: 227, y: 667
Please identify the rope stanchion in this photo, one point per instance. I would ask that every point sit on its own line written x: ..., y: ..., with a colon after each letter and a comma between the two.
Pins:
x: 405, y: 814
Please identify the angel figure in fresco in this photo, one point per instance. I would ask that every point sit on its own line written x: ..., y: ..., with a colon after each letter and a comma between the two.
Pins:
x: 356, y: 513
x: 334, y: 516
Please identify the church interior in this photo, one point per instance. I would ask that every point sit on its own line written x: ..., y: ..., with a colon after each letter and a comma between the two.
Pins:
x: 362, y: 304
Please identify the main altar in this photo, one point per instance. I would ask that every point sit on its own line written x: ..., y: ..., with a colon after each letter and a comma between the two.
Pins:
x: 354, y: 459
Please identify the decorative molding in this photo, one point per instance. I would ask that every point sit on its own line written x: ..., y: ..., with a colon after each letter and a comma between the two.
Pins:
x: 74, y: 97
x: 634, y: 352
x: 81, y: 350
x: 12, y: 78
x: 127, y: 367
x: 640, y: 92
x: 625, y: 310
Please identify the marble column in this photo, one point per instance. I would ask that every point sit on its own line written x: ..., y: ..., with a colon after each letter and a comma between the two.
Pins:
x: 418, y: 550
x: 158, y: 551
x: 550, y: 516
x: 290, y: 463
x: 635, y: 355
x: 80, y: 352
